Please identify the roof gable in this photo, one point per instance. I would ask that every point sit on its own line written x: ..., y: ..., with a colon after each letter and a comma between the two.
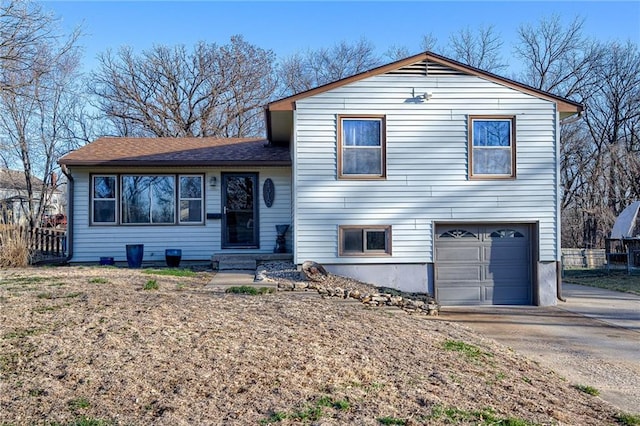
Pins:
x: 429, y: 63
x: 16, y: 180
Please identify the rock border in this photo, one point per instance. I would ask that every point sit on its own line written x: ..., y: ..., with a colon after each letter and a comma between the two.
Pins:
x: 314, y: 277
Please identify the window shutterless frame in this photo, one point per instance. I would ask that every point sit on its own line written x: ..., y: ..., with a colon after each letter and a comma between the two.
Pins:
x: 492, y: 147
x: 104, y: 199
x: 190, y: 199
x: 164, y: 199
x: 361, y: 146
x: 372, y: 240
x: 147, y: 199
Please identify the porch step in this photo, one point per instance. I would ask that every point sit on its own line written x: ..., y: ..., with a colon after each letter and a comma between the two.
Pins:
x: 246, y: 262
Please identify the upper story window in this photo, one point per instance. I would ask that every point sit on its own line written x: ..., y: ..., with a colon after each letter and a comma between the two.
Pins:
x: 361, y: 147
x: 147, y: 199
x: 492, y: 147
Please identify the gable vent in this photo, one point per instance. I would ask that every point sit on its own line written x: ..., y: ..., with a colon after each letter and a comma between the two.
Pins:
x: 425, y: 68
x: 419, y: 68
x: 439, y: 69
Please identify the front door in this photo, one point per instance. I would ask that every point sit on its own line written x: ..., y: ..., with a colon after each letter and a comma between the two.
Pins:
x: 239, y: 210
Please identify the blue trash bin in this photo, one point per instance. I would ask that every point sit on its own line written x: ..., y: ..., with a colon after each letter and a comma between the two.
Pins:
x: 135, y: 253
x: 173, y: 257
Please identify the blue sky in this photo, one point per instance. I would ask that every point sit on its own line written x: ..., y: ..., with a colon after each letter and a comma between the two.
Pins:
x: 290, y: 26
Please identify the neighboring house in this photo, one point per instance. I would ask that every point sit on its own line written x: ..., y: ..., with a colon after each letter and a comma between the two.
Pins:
x: 423, y: 175
x: 14, y: 199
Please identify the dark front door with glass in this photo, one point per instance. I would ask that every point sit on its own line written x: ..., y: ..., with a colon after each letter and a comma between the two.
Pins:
x: 240, y: 210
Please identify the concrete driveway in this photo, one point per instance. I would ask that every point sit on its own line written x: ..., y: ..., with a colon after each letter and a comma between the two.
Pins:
x: 591, y: 339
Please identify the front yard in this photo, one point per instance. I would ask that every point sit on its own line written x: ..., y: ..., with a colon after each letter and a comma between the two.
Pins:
x: 110, y: 346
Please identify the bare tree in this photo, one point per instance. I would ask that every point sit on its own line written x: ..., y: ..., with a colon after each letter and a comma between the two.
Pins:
x: 396, y: 53
x: 613, y: 120
x: 24, y: 26
x: 314, y: 68
x: 429, y: 42
x: 601, y: 155
x: 36, y: 101
x: 558, y: 59
x: 480, y: 49
x: 210, y: 90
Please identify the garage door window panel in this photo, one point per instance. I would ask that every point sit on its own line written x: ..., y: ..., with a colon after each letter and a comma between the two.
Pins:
x: 458, y: 233
x: 506, y: 233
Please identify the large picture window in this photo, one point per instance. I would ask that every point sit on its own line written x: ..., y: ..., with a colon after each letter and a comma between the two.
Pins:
x: 147, y: 199
x: 491, y: 147
x: 364, y: 240
x: 361, y: 147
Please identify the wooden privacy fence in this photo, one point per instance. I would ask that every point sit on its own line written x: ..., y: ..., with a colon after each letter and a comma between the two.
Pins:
x: 48, y: 241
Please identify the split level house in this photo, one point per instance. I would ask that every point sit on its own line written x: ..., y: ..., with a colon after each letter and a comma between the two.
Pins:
x: 424, y: 175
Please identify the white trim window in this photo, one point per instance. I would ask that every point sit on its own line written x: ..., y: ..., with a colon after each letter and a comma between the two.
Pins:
x: 104, y: 199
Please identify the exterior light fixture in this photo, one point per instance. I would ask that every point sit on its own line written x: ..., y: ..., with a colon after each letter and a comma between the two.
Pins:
x: 421, y: 97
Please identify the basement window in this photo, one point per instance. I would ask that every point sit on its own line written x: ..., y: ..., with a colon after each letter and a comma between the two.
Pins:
x: 365, y: 240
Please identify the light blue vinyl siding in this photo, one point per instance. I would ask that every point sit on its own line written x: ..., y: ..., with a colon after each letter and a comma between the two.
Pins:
x: 427, y: 166
x: 198, y: 242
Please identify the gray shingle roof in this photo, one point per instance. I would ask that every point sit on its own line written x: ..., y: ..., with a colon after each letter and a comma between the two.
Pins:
x: 113, y: 151
x: 15, y: 179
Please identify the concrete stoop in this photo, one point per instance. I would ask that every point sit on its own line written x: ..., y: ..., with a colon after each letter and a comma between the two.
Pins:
x: 246, y: 262
x: 240, y: 269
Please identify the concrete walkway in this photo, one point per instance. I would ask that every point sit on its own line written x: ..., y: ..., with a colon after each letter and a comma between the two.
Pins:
x: 591, y: 339
x: 233, y: 278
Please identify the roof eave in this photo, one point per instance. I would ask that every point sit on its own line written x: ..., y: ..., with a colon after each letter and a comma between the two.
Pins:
x: 170, y: 163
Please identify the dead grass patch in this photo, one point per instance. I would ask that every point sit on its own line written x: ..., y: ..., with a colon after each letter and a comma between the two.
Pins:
x: 183, y: 355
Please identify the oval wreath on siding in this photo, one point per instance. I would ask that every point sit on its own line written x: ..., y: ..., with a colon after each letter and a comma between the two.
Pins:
x: 268, y: 192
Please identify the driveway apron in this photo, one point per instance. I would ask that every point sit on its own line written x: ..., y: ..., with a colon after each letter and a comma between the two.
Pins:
x: 591, y: 339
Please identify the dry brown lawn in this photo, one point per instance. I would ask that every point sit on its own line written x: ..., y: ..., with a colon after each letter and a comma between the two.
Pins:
x: 91, y: 346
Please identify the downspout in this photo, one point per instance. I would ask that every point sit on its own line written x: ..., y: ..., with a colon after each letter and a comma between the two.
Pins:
x: 70, y: 196
x: 559, y: 282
